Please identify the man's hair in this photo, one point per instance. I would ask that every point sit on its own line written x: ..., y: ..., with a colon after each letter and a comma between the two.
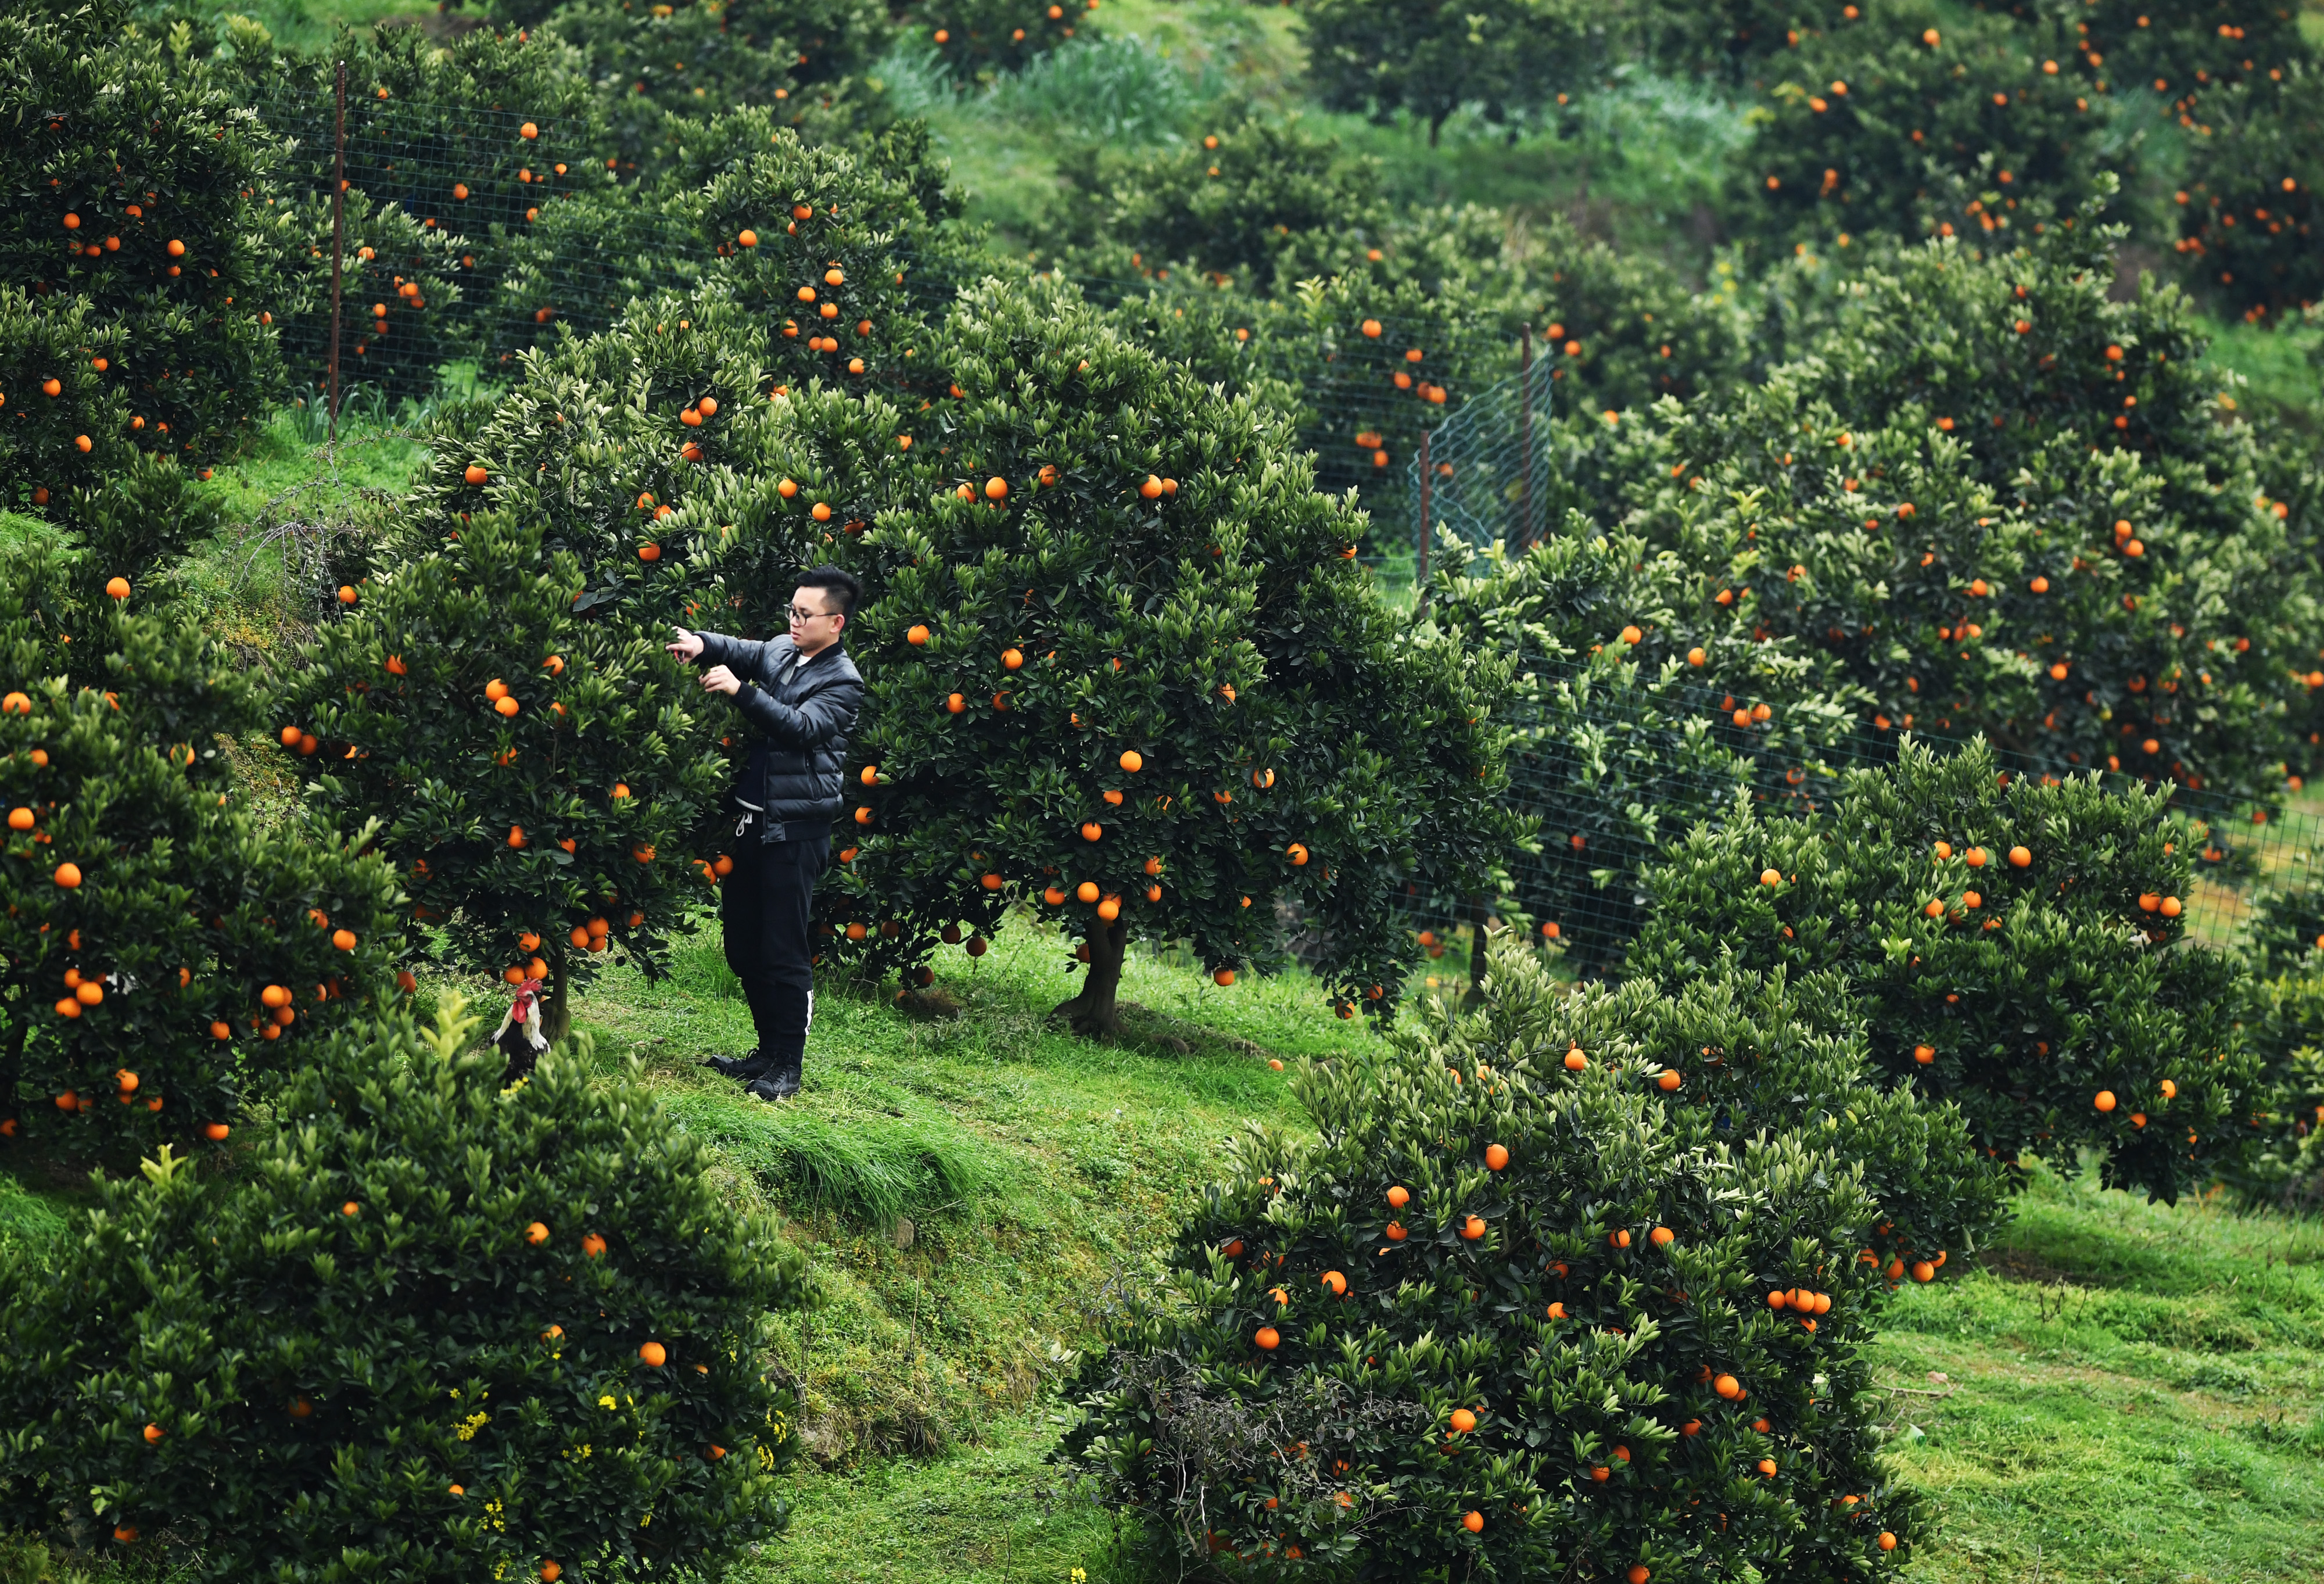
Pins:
x: 841, y: 588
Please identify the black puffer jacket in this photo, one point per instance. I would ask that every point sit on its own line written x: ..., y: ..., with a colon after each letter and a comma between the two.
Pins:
x: 799, y: 713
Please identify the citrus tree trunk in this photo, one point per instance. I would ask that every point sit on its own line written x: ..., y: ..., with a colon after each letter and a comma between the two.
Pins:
x: 1478, y: 945
x: 1091, y: 1012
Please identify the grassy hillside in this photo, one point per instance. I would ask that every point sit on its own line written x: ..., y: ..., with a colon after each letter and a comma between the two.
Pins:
x: 2129, y: 1389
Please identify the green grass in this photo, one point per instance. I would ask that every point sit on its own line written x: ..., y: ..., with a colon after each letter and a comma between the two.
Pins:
x: 2133, y: 1395
x: 2284, y: 367
x: 1035, y: 1169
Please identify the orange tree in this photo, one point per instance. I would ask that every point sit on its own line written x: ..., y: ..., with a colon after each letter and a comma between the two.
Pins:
x: 1627, y: 725
x: 977, y: 38
x: 1121, y: 663
x: 632, y: 451
x: 1259, y: 202
x: 1360, y: 364
x: 1521, y: 1317
x: 141, y: 183
x: 1777, y: 1052
x: 1624, y: 330
x: 1918, y: 121
x: 834, y: 277
x: 658, y: 68
x: 165, y: 953
x: 68, y: 447
x: 516, y: 1333
x: 1507, y: 57
x: 2187, y: 44
x: 537, y: 771
x: 873, y: 212
x: 2284, y: 946
x: 2248, y: 211
x: 1995, y: 501
x: 1730, y: 38
x: 2016, y: 947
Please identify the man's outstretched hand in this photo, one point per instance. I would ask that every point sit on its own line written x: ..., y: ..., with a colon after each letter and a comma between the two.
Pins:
x: 685, y: 646
x: 719, y: 679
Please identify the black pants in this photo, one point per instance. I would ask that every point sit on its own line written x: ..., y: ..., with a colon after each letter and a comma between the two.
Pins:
x: 765, y: 906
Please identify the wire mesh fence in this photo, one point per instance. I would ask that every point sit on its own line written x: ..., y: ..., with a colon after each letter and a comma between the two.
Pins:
x: 473, y: 233
x: 1483, y: 474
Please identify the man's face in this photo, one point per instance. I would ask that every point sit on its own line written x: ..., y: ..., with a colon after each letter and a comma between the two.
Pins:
x: 816, y: 621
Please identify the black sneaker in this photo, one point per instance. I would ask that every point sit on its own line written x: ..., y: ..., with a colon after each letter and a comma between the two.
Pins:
x: 780, y: 1086
x: 731, y: 1066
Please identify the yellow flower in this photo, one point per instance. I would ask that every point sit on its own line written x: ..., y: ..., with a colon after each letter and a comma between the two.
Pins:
x: 605, y: 1402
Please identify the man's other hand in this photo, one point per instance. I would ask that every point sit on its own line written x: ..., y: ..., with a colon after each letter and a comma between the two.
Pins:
x: 685, y: 646
x: 718, y: 679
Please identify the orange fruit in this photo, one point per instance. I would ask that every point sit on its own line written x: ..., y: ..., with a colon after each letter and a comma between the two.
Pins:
x: 68, y: 875
x: 1472, y: 1521
x: 536, y: 1234
x: 917, y: 637
x: 654, y: 1354
x: 118, y: 587
x: 2105, y: 1100
x: 1576, y: 1060
x: 1496, y: 1156
x: 1224, y: 976
x: 1268, y: 1338
x: 1463, y: 1421
x: 214, y: 1132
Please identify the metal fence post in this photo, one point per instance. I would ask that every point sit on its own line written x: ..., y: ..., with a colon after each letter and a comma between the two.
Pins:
x: 1525, y: 396
x: 1420, y: 577
x: 338, y: 240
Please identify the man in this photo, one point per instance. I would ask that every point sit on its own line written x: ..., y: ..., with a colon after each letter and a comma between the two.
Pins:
x: 797, y: 697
